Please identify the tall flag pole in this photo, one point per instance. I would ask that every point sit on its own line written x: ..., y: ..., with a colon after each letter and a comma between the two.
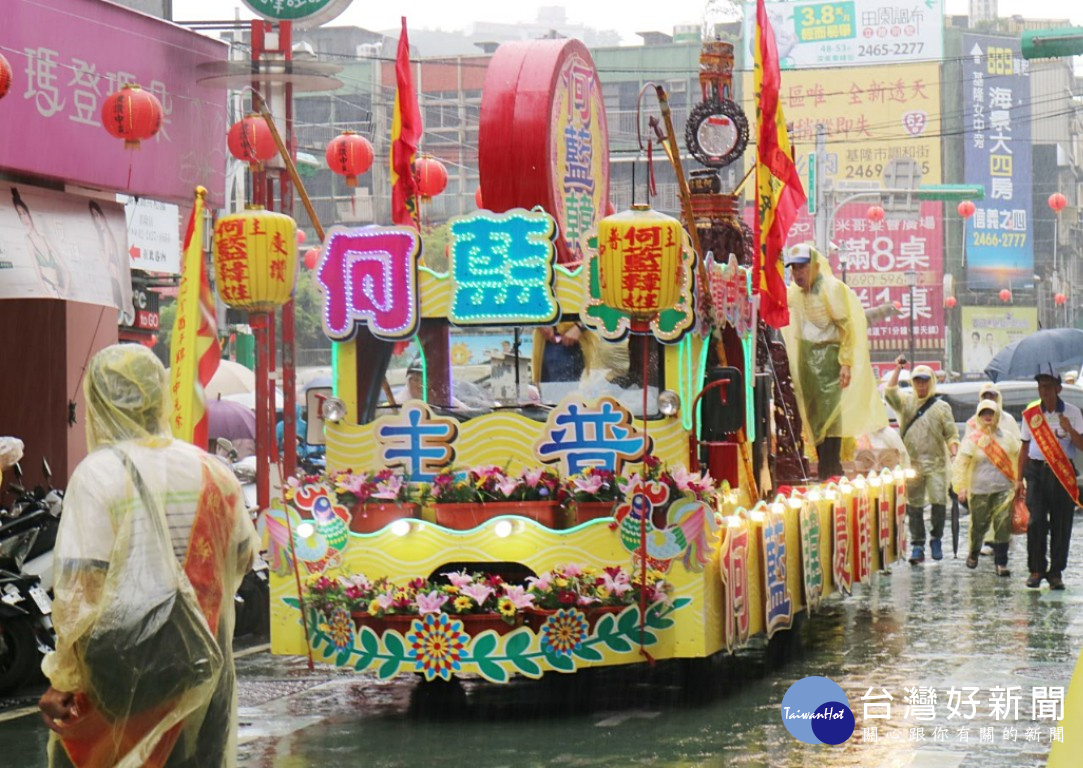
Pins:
x: 405, y: 134
x: 194, y: 345
x: 778, y: 186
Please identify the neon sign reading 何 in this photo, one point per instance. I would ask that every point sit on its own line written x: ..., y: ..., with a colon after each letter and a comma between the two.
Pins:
x: 369, y: 276
x: 501, y: 267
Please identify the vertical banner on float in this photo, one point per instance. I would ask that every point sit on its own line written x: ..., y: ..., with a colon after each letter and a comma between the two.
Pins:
x: 734, y: 574
x: 900, y: 515
x: 861, y: 526
x: 883, y: 519
x: 811, y: 564
x: 778, y: 604
x: 843, y: 542
x: 997, y: 154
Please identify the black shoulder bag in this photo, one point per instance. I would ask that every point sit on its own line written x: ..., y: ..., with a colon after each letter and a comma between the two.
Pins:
x: 921, y: 412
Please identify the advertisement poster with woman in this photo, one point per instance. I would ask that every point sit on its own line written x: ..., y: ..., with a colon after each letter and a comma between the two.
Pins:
x: 57, y: 246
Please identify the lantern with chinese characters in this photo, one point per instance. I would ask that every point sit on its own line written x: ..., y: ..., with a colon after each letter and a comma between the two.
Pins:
x: 875, y: 213
x: 640, y: 262
x: 251, y: 140
x: 966, y: 209
x: 431, y: 177
x: 5, y: 76
x: 1057, y: 202
x: 349, y: 155
x: 255, y: 259
x: 131, y: 114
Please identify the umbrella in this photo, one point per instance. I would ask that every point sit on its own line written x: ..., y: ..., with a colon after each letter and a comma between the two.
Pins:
x: 1048, y: 351
x: 248, y: 399
x: 230, y: 420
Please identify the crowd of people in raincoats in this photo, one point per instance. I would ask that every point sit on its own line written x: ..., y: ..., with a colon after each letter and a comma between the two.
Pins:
x: 989, y: 467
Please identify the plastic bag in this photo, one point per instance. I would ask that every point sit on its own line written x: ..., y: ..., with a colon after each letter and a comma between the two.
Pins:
x: 1020, y: 515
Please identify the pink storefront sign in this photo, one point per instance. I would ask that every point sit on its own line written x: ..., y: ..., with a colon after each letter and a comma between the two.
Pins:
x: 67, y: 56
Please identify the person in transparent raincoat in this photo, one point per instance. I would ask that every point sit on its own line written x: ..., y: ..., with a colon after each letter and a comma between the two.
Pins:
x: 827, y: 345
x: 134, y: 471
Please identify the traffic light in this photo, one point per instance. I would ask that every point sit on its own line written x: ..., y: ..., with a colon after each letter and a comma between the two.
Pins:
x: 1052, y: 43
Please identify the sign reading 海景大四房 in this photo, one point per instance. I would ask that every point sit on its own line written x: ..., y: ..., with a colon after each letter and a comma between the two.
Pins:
x: 311, y: 12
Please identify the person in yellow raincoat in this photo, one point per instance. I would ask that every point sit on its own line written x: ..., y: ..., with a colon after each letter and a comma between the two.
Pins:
x: 138, y: 497
x: 827, y: 344
x: 928, y: 430
x: 985, y: 476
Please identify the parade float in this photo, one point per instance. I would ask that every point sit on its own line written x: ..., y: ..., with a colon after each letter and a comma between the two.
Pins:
x: 554, y: 526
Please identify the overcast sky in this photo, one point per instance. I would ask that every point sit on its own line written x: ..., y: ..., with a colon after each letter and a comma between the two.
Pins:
x: 622, y: 15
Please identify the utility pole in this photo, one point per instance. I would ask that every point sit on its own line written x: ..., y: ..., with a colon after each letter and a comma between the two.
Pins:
x: 817, y: 166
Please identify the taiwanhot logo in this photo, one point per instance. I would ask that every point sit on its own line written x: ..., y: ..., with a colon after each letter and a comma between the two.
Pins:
x: 815, y: 710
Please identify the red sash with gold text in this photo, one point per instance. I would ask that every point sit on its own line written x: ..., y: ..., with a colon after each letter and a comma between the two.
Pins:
x: 91, y: 739
x: 1051, y: 449
x: 997, y: 456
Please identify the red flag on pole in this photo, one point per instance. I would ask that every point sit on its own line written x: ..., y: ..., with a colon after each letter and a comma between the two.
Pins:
x: 405, y: 134
x: 778, y: 186
x: 194, y: 349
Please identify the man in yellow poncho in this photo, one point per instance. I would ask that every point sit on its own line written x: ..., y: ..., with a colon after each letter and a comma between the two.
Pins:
x: 137, y: 499
x: 931, y: 438
x: 827, y: 345
x: 985, y: 476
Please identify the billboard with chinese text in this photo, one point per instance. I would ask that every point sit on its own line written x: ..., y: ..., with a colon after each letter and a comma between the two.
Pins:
x: 851, y: 33
x: 997, y: 154
x: 987, y: 330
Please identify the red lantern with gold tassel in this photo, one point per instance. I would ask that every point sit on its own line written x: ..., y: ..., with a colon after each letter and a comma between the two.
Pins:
x: 349, y: 155
x: 131, y: 114
x: 431, y: 177
x: 5, y: 76
x: 250, y: 140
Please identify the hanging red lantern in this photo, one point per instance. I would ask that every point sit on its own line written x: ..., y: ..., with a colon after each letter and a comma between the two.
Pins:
x: 5, y: 76
x: 431, y: 177
x: 250, y: 140
x: 312, y: 255
x: 949, y: 301
x: 131, y: 114
x: 897, y: 305
x: 875, y: 213
x: 1057, y: 202
x: 477, y: 198
x: 349, y: 155
x: 1060, y: 299
x: 966, y: 209
x: 1005, y: 295
x: 301, y: 237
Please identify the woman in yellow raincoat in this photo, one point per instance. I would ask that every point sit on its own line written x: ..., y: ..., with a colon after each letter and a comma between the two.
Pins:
x: 984, y: 476
x: 138, y: 497
x: 827, y: 344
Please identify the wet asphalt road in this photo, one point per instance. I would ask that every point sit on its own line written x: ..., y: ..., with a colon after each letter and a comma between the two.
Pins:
x: 938, y: 625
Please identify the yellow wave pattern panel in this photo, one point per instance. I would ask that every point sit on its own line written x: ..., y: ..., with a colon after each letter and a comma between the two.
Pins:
x: 496, y: 438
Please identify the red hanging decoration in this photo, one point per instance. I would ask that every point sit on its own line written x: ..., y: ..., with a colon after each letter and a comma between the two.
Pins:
x: 1057, y: 202
x: 250, y: 140
x: 301, y: 237
x: 131, y: 114
x: 949, y: 301
x: 477, y: 198
x: 349, y: 155
x: 1060, y: 299
x: 875, y: 213
x: 5, y: 76
x: 431, y: 177
x: 1005, y: 295
x: 966, y: 209
x: 312, y: 255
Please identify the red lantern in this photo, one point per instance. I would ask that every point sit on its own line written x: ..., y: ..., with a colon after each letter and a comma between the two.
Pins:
x: 301, y: 237
x: 349, y: 155
x: 966, y: 209
x: 1057, y: 202
x: 875, y: 213
x: 131, y: 114
x: 1060, y: 299
x: 1005, y: 295
x: 897, y: 305
x: 250, y: 140
x: 312, y: 255
x: 949, y: 301
x: 5, y: 76
x: 477, y: 198
x: 431, y: 177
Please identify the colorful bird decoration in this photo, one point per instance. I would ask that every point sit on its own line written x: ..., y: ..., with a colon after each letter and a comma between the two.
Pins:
x: 689, y: 525
x: 319, y: 544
